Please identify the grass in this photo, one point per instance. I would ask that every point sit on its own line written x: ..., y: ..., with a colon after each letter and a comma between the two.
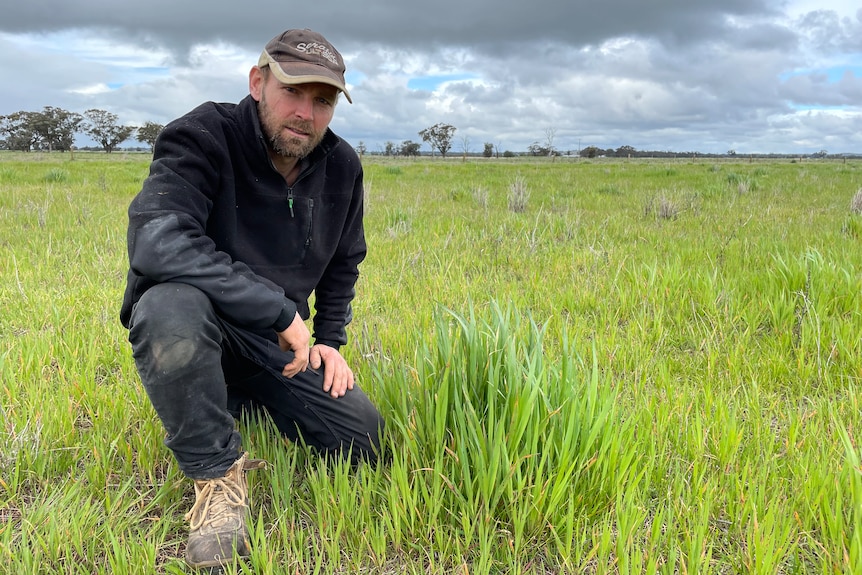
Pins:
x: 648, y: 367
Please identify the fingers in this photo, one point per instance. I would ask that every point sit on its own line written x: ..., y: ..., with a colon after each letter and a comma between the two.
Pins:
x: 314, y: 359
x: 291, y: 369
x: 337, y: 376
x: 295, y: 338
x: 299, y: 363
x: 338, y: 385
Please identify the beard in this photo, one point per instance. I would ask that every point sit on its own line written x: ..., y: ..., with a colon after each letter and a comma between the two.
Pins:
x: 282, y: 144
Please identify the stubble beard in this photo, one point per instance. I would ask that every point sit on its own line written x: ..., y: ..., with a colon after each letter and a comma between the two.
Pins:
x: 286, y: 146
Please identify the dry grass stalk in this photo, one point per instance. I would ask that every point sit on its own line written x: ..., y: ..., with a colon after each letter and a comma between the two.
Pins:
x: 856, y: 202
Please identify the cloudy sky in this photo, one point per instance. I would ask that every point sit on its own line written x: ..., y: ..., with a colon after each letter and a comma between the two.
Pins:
x: 755, y: 76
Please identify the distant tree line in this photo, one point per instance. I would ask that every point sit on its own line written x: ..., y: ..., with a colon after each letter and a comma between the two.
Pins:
x: 54, y: 129
x: 439, y: 138
x: 631, y: 152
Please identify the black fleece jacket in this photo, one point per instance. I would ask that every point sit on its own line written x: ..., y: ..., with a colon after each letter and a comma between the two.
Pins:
x: 214, y: 213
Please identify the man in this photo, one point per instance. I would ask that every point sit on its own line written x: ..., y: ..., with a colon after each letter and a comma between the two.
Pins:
x: 249, y: 208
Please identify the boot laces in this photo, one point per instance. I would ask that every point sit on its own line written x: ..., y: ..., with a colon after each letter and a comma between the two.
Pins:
x: 216, y: 503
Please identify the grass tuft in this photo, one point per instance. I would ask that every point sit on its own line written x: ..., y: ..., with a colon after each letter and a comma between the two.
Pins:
x: 519, y: 195
x: 56, y: 175
x: 856, y: 203
x: 662, y: 208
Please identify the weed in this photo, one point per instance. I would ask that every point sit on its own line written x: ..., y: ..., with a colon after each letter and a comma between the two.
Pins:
x: 610, y: 190
x: 456, y: 194
x: 852, y: 227
x: 519, y: 195
x: 480, y: 196
x: 398, y: 222
x: 856, y: 203
x: 742, y: 183
x: 56, y: 175
x: 662, y: 208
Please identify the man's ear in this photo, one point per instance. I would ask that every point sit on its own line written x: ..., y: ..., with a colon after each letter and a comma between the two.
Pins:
x: 256, y: 81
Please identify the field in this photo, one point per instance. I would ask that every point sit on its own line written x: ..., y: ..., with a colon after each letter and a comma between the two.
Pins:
x: 585, y: 367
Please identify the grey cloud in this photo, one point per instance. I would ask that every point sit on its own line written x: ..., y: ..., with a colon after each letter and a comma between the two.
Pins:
x: 447, y: 22
x: 827, y: 31
x: 818, y: 90
x: 670, y: 74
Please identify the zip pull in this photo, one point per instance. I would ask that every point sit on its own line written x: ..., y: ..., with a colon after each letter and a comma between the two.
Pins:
x: 290, y: 202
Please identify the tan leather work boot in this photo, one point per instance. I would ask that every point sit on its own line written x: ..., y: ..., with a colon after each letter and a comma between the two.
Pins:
x: 217, y: 519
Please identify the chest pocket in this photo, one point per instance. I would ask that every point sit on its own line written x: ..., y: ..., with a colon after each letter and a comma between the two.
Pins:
x: 297, y: 230
x: 272, y: 232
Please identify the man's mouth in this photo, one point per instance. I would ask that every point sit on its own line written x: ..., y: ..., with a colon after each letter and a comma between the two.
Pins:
x: 297, y: 132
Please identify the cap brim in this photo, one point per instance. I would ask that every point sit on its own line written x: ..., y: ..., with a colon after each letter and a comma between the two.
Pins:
x: 302, y: 73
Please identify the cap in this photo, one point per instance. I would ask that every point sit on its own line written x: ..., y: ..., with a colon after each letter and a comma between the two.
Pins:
x: 302, y: 57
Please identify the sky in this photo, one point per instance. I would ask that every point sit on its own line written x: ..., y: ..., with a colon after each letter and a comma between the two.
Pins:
x: 753, y: 76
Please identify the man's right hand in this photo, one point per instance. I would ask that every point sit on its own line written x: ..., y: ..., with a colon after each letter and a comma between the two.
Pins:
x: 296, y: 339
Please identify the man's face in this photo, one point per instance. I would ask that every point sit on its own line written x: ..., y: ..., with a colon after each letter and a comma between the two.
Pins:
x: 294, y: 118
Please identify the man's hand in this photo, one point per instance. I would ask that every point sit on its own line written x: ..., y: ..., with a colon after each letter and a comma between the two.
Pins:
x: 295, y: 338
x: 337, y: 376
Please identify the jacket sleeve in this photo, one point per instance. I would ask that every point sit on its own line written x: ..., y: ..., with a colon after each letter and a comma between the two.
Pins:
x: 167, y: 238
x: 336, y: 288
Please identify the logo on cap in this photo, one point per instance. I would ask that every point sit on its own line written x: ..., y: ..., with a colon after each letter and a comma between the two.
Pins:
x: 317, y: 49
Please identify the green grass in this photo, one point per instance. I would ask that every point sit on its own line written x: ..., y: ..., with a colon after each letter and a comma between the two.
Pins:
x: 649, y: 367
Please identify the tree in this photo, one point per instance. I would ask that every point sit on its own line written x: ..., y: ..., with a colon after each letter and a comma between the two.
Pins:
x: 625, y: 152
x: 389, y: 149
x: 550, y: 134
x: 465, y: 147
x: 148, y: 133
x: 536, y: 149
x: 439, y: 137
x: 103, y: 128
x: 361, y: 149
x: 17, y: 129
x: 56, y: 128
x: 488, y: 152
x: 591, y: 152
x: 409, y: 148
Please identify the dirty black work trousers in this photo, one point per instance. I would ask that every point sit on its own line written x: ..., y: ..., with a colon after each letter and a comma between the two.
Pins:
x: 200, y: 371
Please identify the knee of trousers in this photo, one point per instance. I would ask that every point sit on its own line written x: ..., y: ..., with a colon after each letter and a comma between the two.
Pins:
x: 170, y: 313
x: 366, y: 445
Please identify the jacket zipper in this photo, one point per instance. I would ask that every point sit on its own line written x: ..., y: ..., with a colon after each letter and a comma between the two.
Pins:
x: 310, y: 222
x: 301, y: 176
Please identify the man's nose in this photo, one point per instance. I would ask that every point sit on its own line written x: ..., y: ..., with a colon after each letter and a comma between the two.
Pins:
x: 305, y: 108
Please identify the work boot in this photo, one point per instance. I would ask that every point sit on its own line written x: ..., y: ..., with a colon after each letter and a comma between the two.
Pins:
x: 217, y: 519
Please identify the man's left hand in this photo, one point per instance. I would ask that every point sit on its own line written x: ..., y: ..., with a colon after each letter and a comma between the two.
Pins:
x: 337, y: 376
